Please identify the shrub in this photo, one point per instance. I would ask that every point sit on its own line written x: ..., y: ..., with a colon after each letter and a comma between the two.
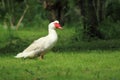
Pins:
x: 110, y: 29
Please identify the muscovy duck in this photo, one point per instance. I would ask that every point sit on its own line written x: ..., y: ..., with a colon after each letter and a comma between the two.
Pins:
x: 42, y: 45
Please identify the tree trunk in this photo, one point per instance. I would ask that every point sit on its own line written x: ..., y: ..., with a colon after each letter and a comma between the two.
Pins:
x: 56, y: 9
x: 101, y: 10
x: 21, y: 18
x: 89, y: 19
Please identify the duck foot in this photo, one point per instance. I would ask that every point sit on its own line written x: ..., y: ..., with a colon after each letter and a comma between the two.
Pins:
x: 41, y: 57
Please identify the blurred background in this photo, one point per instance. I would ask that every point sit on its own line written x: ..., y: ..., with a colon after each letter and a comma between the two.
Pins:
x: 88, y: 24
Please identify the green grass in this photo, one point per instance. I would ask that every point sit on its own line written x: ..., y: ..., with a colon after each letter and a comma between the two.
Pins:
x: 65, y: 63
x: 85, y: 65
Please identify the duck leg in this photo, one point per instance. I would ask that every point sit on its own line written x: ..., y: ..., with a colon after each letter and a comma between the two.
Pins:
x: 41, y: 56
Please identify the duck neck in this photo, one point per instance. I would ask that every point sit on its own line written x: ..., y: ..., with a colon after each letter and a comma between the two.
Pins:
x: 52, y: 32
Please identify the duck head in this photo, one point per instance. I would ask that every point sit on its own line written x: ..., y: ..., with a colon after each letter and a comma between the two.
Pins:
x: 55, y: 25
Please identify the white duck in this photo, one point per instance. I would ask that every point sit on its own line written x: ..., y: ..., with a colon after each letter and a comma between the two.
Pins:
x: 40, y: 46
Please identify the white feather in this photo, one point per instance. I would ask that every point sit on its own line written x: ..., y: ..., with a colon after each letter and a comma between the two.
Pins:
x: 41, y: 45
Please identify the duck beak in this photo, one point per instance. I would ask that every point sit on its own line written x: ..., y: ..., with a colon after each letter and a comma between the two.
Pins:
x: 60, y: 27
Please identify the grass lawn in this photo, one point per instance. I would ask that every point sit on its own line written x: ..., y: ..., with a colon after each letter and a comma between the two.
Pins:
x: 85, y: 65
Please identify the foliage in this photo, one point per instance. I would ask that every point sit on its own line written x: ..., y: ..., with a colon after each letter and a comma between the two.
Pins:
x: 113, y: 10
x: 35, y: 22
x: 110, y: 29
x: 67, y: 40
x: 36, y: 15
x: 86, y: 65
x: 6, y: 36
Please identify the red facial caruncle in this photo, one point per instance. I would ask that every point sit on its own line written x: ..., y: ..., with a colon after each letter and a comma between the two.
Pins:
x: 57, y: 25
